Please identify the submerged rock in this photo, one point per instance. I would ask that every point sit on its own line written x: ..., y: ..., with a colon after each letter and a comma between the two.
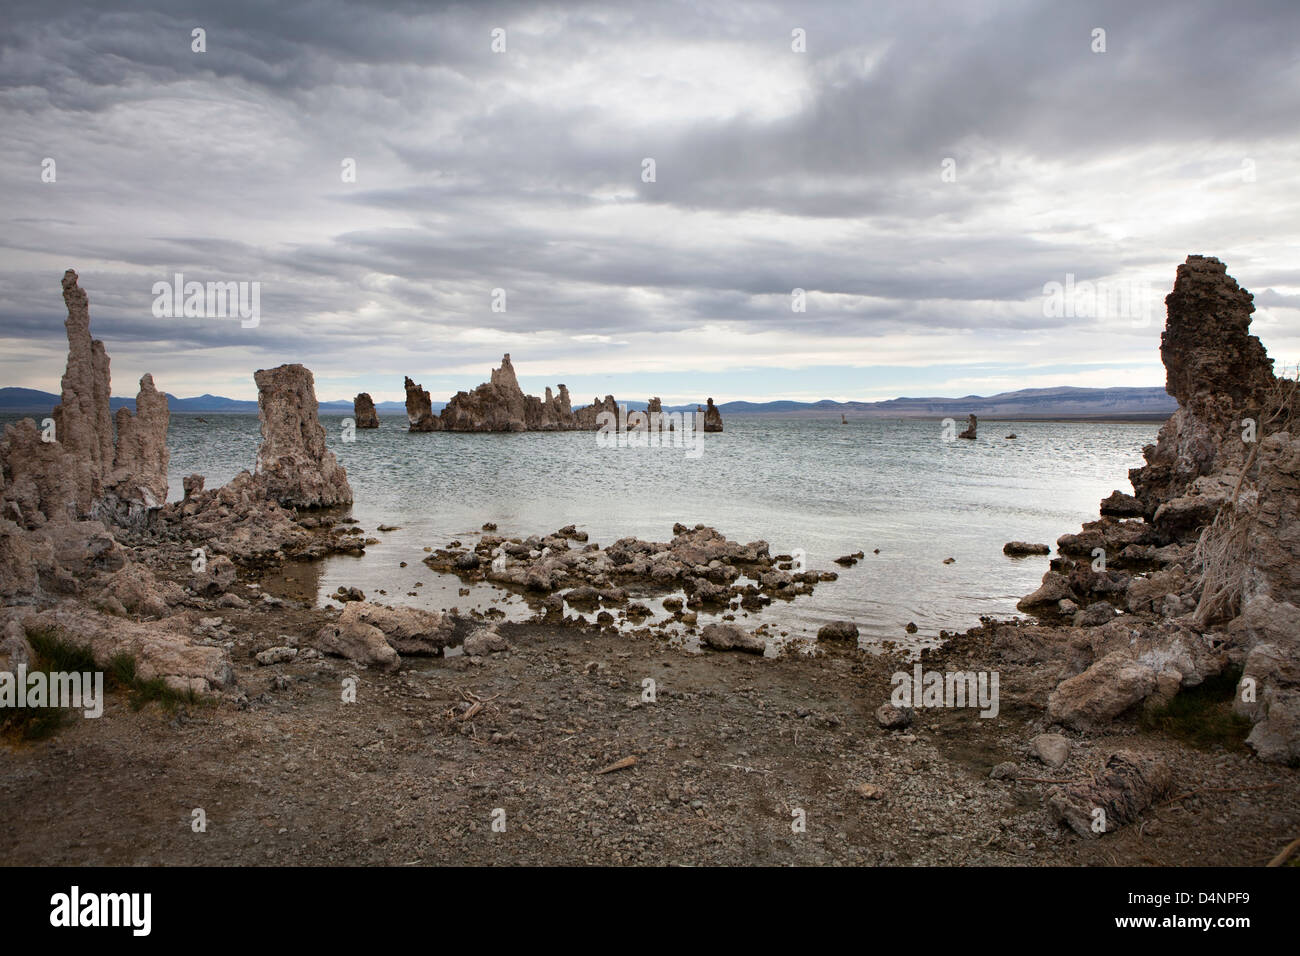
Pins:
x: 1022, y: 548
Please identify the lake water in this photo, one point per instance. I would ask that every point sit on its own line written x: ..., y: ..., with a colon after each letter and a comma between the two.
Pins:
x: 816, y: 485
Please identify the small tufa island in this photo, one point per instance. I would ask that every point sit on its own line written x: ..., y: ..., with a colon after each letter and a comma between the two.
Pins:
x: 363, y: 411
x: 500, y: 405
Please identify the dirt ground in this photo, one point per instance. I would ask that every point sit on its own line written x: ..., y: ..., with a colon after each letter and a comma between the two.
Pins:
x: 739, y: 760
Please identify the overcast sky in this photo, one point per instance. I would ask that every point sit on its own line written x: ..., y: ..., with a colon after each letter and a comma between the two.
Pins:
x: 522, y: 170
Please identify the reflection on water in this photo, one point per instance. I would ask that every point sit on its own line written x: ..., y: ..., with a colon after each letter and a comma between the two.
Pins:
x: 827, y: 488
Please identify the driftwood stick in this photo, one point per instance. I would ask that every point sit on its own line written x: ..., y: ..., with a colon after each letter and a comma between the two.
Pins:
x: 473, y: 710
x: 618, y: 765
x: 1286, y: 853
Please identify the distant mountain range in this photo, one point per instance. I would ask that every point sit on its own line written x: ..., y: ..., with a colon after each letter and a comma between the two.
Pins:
x: 1028, y: 403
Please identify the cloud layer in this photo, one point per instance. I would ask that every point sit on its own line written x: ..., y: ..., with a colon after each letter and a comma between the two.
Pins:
x: 921, y: 171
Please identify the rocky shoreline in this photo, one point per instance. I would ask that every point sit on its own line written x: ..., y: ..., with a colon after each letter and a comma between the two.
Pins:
x: 1194, y: 577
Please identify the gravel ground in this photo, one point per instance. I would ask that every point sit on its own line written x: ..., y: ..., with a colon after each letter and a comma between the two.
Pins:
x: 731, y: 748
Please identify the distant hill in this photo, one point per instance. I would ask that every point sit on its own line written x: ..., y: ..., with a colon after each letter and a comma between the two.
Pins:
x: 1028, y: 403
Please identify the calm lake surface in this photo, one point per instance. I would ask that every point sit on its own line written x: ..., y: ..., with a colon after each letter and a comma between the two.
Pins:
x: 817, y: 485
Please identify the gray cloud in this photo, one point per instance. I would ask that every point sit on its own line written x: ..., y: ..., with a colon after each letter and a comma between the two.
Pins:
x: 522, y: 170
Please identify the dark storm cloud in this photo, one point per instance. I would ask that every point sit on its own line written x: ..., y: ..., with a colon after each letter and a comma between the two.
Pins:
x: 522, y: 171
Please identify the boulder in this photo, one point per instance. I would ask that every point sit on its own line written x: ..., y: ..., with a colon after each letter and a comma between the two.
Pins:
x: 161, y: 649
x: 1121, y: 505
x: 276, y: 655
x: 1148, y: 593
x: 728, y: 637
x: 891, y: 717
x: 15, y: 650
x: 191, y: 485
x: 1094, y: 615
x: 1021, y: 548
x: 216, y: 577
x: 409, y: 630
x: 357, y: 641
x: 1054, y: 589
x: 1051, y: 749
x: 838, y: 631
x: 138, y: 591
x: 1269, y: 690
x: 1108, y: 688
x: 1129, y: 783
x: 485, y: 641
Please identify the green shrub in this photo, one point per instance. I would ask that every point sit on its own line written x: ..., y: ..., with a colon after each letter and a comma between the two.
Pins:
x: 1203, y: 716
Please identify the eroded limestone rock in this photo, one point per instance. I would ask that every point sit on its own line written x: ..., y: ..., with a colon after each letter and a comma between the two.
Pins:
x: 294, y: 464
x: 363, y: 411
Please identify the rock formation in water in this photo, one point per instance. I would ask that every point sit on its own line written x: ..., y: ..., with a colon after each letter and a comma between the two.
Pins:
x: 363, y: 411
x: 970, y: 428
x: 712, y: 418
x: 500, y: 405
x: 419, y: 409
x: 588, y: 418
x: 296, y: 467
x: 1216, y: 513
